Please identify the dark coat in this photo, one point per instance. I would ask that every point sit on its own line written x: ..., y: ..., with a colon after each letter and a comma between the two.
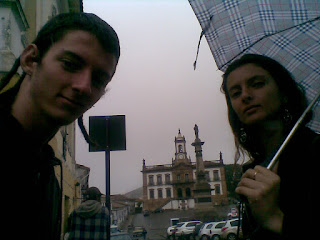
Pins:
x: 298, y: 171
x: 30, y: 190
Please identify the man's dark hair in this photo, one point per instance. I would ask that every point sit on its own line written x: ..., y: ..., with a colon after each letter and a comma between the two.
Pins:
x: 53, y: 31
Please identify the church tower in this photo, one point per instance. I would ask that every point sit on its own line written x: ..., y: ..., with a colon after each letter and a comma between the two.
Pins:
x: 181, y: 152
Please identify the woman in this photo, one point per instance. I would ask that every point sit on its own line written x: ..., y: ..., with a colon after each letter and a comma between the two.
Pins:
x: 65, y: 71
x: 264, y: 103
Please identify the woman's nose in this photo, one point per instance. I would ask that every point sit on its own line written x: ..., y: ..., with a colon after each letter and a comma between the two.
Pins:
x: 246, y: 95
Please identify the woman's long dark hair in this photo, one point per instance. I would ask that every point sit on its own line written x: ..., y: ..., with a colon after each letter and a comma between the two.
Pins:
x: 295, y: 100
x: 53, y: 31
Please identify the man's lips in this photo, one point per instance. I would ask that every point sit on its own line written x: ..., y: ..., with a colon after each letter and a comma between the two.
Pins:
x: 72, y: 101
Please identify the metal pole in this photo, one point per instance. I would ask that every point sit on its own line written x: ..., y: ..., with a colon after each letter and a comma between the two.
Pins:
x: 108, y: 201
x: 293, y: 130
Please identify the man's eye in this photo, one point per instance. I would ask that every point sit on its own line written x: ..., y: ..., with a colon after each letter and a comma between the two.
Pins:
x: 70, y: 65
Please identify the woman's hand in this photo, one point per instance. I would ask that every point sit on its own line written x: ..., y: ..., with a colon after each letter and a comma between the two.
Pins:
x: 261, y: 187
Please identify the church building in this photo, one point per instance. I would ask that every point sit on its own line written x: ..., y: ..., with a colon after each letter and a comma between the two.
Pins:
x: 185, y: 184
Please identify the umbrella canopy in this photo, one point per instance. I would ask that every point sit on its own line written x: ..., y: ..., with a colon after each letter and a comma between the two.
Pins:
x: 285, y: 30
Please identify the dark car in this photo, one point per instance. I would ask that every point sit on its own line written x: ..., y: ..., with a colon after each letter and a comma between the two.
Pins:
x: 139, y: 232
x: 197, y: 229
x: 158, y: 210
x: 120, y: 236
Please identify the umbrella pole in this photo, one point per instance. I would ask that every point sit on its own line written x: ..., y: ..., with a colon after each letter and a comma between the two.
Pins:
x: 293, y: 130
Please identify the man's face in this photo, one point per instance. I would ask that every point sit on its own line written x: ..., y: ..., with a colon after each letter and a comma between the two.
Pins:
x: 71, y: 77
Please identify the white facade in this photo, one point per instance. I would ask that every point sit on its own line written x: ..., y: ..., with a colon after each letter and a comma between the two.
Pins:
x: 160, y: 184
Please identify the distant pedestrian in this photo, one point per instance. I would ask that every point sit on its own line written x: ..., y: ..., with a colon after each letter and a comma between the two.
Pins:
x: 90, y: 219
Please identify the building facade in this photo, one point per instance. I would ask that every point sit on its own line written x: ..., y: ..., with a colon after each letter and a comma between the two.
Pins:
x: 172, y: 186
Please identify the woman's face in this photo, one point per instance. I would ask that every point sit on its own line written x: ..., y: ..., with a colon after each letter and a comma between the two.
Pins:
x: 254, y: 94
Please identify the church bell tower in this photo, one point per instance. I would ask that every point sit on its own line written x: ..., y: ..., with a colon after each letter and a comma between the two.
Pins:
x: 181, y: 152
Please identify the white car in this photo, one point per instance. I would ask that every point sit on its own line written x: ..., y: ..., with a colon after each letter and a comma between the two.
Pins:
x: 171, y: 230
x: 186, y: 228
x: 229, y: 231
x: 211, y: 230
x: 216, y: 229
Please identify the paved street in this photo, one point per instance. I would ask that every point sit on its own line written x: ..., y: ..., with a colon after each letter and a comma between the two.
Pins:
x: 156, y: 224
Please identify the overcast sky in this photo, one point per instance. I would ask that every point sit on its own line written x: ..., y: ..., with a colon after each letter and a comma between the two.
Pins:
x: 157, y: 89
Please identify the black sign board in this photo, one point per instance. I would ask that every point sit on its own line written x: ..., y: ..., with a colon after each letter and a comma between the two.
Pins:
x: 107, y: 131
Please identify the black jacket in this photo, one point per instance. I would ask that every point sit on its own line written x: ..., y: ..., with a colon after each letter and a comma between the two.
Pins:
x: 31, y: 192
x: 298, y: 171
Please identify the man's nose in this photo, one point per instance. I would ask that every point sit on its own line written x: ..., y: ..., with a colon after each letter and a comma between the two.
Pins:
x: 82, y: 83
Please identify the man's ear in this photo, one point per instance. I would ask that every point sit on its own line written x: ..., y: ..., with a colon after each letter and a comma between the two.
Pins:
x: 28, y: 57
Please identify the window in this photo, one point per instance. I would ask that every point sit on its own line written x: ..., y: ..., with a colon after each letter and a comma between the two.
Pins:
x: 168, y: 192
x: 180, y: 148
x: 179, y: 193
x: 216, y: 176
x: 151, y: 193
x: 178, y: 177
x: 207, y: 176
x: 160, y: 193
x: 234, y: 223
x: 188, y: 192
x: 192, y: 224
x: 186, y: 177
x: 217, y: 189
x: 167, y: 178
x: 220, y: 225
x: 209, y: 226
x: 159, y: 179
x: 151, y: 180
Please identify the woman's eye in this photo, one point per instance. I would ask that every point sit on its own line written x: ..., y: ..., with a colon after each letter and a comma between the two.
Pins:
x: 235, y: 94
x: 258, y: 84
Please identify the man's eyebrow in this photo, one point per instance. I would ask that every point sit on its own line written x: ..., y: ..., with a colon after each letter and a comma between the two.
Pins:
x: 73, y: 55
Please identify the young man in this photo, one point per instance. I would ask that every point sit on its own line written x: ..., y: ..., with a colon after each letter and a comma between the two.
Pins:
x: 65, y: 71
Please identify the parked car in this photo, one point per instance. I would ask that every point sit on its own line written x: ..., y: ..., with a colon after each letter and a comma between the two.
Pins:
x: 172, y: 230
x: 233, y: 213
x: 216, y: 229
x: 158, y: 210
x: 229, y: 231
x: 114, y: 229
x: 146, y: 213
x: 139, y: 232
x: 197, y: 229
x: 186, y: 229
x: 211, y: 230
x: 120, y: 236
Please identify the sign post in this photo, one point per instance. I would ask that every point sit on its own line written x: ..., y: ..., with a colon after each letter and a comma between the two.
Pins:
x: 107, y: 134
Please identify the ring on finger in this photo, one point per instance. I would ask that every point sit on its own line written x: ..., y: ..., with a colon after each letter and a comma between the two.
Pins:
x: 254, y: 175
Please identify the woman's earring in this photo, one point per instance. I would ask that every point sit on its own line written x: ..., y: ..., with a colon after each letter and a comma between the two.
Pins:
x: 287, y: 117
x: 242, y: 135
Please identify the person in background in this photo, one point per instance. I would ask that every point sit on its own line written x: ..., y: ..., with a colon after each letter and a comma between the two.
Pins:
x: 65, y: 70
x: 90, y: 219
x: 264, y: 102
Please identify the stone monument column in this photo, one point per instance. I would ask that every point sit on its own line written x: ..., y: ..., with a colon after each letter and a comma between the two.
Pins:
x: 202, y: 189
